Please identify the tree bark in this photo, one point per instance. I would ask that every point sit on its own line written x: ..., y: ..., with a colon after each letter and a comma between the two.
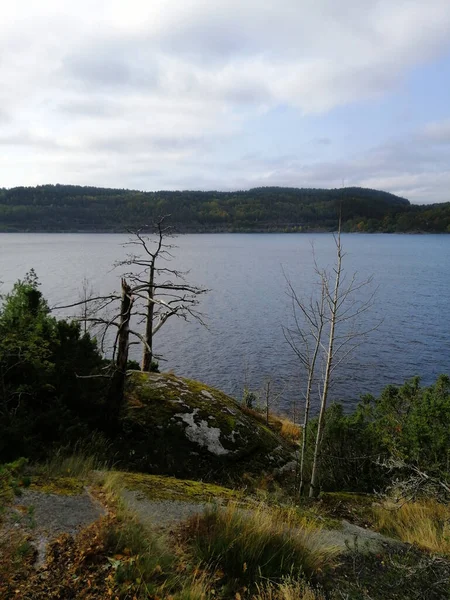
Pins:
x: 148, y: 347
x: 312, y: 369
x: 313, y: 491
x: 117, y: 386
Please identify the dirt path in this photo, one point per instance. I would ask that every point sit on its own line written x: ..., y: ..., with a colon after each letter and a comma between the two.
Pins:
x: 163, y: 515
x: 160, y: 514
x: 46, y: 516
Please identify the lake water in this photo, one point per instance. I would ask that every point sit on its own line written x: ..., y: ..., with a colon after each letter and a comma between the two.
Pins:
x: 248, y: 305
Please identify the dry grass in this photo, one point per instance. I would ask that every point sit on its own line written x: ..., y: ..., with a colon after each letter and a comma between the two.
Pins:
x: 290, y: 430
x: 197, y: 588
x: 424, y: 524
x: 251, y: 546
x: 282, y: 425
x: 288, y: 590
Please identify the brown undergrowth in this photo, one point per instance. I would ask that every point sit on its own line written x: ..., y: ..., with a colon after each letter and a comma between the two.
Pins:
x: 280, y: 424
x: 17, y: 557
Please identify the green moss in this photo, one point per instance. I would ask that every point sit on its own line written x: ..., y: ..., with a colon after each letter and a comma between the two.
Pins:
x: 62, y: 486
x: 159, y: 487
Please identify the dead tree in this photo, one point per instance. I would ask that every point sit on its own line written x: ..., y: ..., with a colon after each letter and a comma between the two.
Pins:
x: 160, y: 292
x: 87, y: 307
x: 120, y: 353
x: 325, y: 334
x: 150, y: 295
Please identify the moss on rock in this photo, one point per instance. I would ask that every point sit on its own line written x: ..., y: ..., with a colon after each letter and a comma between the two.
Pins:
x: 162, y: 487
x: 181, y: 427
x: 62, y: 486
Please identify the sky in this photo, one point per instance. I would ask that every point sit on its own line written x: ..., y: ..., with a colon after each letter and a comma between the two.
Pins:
x: 227, y: 94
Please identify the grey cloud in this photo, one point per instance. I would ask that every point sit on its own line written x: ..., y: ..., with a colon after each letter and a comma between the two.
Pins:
x: 112, y: 62
x: 26, y: 139
x: 242, y: 93
x: 147, y: 142
x: 204, y: 41
x: 98, y: 70
x: 436, y: 132
x: 5, y: 117
x: 112, y: 86
x: 420, y: 173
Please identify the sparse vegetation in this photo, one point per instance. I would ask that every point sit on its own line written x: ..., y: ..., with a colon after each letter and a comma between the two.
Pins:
x: 160, y: 487
x: 288, y: 590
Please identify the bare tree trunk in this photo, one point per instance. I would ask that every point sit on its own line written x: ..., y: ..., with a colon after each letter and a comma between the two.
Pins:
x: 311, y: 374
x: 152, y: 292
x: 309, y: 336
x: 124, y: 327
x: 117, y: 386
x: 313, y: 491
x: 147, y: 356
x: 267, y: 400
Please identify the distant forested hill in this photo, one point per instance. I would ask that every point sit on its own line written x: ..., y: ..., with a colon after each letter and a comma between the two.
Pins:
x: 76, y: 208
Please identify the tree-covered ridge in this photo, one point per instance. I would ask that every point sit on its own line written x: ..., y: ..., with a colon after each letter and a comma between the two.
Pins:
x: 77, y: 208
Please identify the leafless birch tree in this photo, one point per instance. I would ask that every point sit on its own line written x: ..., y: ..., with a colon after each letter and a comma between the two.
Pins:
x: 305, y: 339
x: 325, y: 333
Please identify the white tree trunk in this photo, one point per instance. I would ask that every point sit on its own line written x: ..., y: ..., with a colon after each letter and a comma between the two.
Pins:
x: 333, y: 306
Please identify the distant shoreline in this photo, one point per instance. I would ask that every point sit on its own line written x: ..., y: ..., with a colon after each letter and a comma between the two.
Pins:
x: 220, y: 232
x: 78, y: 209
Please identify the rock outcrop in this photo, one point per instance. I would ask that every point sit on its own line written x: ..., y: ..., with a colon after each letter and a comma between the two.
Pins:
x: 184, y: 428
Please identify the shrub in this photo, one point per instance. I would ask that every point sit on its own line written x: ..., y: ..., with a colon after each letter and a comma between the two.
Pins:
x: 414, y: 423
x: 42, y: 399
x: 408, y: 423
x: 349, y: 453
x: 249, y: 399
x: 11, y: 477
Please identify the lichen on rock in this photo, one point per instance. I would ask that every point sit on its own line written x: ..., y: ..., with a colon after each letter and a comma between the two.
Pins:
x: 202, y: 434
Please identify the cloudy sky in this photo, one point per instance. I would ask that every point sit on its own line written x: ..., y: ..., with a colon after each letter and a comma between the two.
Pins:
x: 227, y: 94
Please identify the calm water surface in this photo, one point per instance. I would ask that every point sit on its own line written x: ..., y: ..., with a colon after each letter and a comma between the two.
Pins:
x: 248, y: 305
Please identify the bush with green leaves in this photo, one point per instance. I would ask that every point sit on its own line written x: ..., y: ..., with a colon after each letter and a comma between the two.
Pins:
x: 42, y: 399
x: 350, y: 452
x: 11, y: 477
x: 413, y: 422
x: 409, y: 424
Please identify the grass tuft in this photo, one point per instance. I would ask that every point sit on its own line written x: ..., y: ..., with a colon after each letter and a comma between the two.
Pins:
x: 289, y: 430
x: 288, y: 590
x: 251, y: 546
x: 424, y: 524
